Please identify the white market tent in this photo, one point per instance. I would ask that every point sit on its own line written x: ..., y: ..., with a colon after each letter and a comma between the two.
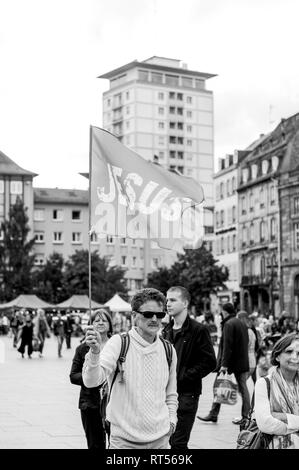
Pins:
x: 78, y: 302
x: 27, y: 301
x: 117, y: 304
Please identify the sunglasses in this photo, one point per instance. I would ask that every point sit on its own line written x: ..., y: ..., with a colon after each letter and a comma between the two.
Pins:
x: 151, y: 314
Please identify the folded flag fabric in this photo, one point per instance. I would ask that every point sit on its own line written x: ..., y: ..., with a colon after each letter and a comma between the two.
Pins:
x: 134, y: 198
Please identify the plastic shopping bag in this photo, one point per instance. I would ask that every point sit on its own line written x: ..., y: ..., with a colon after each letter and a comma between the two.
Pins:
x: 225, y: 389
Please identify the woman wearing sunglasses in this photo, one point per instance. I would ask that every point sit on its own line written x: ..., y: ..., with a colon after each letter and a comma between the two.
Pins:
x: 279, y: 414
x: 143, y: 400
x: 89, y: 401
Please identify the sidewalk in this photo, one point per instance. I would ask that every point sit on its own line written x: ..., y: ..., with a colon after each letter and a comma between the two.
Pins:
x: 39, y: 405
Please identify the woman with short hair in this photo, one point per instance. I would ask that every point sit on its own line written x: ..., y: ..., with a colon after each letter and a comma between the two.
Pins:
x: 279, y: 414
x: 89, y: 401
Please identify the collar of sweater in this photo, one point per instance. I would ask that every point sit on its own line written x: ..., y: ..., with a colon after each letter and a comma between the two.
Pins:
x: 141, y: 341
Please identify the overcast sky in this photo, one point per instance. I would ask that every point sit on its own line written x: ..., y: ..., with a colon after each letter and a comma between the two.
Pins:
x: 51, y: 52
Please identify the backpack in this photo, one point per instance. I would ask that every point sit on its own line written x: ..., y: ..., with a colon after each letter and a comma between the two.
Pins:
x: 105, y: 393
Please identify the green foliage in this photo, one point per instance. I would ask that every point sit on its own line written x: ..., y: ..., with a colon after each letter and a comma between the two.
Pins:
x: 196, y: 270
x: 16, y: 256
x: 105, y: 280
x: 48, y: 280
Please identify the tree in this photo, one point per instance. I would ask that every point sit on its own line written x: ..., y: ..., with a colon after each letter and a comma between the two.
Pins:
x: 105, y: 280
x: 48, y: 280
x: 196, y: 270
x: 16, y: 256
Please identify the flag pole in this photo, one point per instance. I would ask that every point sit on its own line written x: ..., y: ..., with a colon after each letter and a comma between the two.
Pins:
x: 89, y: 220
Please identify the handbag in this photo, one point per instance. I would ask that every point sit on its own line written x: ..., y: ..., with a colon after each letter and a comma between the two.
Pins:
x: 250, y: 437
x: 36, y: 343
x: 225, y: 390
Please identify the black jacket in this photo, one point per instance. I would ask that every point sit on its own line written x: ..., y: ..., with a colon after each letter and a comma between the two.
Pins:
x: 89, y: 397
x: 195, y: 353
x: 233, y: 347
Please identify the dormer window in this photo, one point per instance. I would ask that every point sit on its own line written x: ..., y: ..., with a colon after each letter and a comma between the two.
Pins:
x: 275, y: 162
x: 253, y: 171
x: 245, y: 174
x: 265, y: 166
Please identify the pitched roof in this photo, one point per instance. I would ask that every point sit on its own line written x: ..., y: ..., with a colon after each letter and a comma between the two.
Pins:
x: 283, y: 139
x: 27, y: 301
x: 59, y: 196
x: 78, y: 302
x: 9, y: 167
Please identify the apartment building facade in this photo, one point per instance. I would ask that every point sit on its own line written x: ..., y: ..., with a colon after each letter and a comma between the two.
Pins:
x: 226, y: 249
x: 164, y: 112
x: 267, y: 188
x: 61, y: 224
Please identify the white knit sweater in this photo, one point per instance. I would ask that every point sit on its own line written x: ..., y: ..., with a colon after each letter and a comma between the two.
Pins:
x: 141, y: 408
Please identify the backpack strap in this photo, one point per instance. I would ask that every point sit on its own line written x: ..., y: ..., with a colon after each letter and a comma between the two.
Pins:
x: 125, y: 343
x: 168, y: 350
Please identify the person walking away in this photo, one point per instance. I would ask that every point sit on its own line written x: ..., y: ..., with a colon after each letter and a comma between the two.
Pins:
x: 59, y: 329
x: 89, y: 401
x: 143, y: 400
x: 278, y: 415
x: 195, y: 359
x: 26, y: 332
x: 232, y: 358
x: 68, y: 324
x: 41, y: 329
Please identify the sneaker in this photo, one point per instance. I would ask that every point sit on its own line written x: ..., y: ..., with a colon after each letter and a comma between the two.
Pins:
x: 40, y: 355
x: 208, y: 418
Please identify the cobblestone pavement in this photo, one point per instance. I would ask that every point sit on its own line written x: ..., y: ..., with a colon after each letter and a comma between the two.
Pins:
x: 39, y: 405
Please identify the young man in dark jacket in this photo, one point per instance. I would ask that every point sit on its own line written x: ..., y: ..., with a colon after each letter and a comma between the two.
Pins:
x: 195, y: 359
x: 232, y: 358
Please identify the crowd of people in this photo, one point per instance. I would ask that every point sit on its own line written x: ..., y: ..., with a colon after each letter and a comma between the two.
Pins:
x: 141, y: 377
x: 29, y: 330
x: 151, y: 402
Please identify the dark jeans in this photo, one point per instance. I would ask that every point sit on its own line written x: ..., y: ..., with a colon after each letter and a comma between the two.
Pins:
x: 188, y: 403
x: 68, y: 339
x: 241, y: 379
x: 41, y: 337
x: 94, y: 432
x: 60, y: 339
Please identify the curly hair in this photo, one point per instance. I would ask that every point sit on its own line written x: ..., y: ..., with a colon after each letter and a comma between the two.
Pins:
x: 282, y: 344
x: 145, y: 295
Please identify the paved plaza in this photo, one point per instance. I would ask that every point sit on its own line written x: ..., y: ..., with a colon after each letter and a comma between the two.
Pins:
x: 39, y: 405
